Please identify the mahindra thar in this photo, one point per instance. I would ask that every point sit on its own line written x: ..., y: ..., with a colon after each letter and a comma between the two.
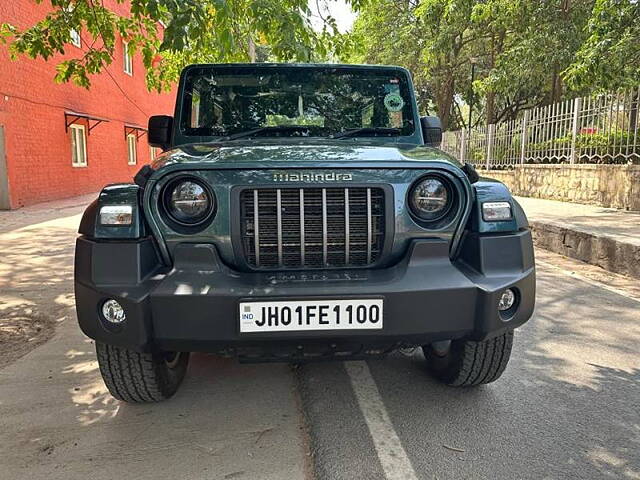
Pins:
x: 300, y: 212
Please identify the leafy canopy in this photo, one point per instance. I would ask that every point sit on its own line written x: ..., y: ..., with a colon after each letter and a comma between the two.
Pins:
x: 610, y: 56
x: 194, y: 31
x: 519, y: 49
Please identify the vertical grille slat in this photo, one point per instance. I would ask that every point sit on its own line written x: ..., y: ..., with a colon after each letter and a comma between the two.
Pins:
x: 302, y: 240
x: 368, y: 225
x: 311, y: 227
x: 256, y: 227
x: 324, y: 226
x: 346, y: 227
x: 279, y: 224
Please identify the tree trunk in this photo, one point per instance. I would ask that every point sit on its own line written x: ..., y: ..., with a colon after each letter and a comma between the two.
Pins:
x: 444, y: 111
x: 490, y: 108
x: 633, y: 112
x: 556, y: 87
x: 444, y: 100
x: 252, y: 51
x: 497, y: 44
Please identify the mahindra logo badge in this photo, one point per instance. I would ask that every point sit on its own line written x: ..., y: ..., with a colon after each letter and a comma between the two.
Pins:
x: 313, y: 177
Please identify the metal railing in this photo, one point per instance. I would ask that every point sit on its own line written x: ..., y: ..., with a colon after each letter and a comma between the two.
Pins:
x: 598, y: 129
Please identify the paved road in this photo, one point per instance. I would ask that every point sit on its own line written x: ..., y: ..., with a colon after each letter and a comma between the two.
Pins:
x: 568, y: 405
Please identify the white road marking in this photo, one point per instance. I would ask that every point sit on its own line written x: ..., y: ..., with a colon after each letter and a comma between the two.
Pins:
x: 595, y: 283
x: 393, y: 458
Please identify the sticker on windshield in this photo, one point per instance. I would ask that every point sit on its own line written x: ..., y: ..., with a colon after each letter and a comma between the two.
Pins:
x: 393, y: 102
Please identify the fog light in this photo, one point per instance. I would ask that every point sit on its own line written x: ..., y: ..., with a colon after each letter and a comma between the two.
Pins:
x: 507, y: 300
x: 113, y: 312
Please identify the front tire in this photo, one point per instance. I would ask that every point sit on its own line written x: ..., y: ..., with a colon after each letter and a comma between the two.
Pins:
x: 468, y: 363
x: 136, y: 377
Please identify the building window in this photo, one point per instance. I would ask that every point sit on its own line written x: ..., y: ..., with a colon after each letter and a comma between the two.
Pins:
x: 75, y: 38
x: 132, y: 156
x: 153, y: 153
x: 78, y: 146
x: 128, y: 60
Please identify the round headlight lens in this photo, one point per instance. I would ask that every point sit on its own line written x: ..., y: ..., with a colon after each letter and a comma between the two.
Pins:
x: 189, y: 202
x: 430, y: 199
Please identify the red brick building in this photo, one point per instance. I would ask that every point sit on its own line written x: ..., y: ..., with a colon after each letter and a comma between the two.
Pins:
x: 59, y: 140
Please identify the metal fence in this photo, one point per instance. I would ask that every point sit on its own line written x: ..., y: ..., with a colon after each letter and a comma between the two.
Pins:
x: 598, y: 129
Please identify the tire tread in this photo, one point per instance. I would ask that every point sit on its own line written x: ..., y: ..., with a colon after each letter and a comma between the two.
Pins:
x: 135, y: 377
x: 474, y: 363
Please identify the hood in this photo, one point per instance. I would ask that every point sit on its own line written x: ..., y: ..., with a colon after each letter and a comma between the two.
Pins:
x: 307, y: 153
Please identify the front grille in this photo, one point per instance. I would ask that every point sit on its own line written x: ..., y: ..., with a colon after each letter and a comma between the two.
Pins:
x: 312, y: 227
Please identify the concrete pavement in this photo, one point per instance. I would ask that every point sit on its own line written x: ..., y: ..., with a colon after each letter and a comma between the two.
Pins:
x: 57, y: 420
x: 604, y: 237
x: 566, y: 407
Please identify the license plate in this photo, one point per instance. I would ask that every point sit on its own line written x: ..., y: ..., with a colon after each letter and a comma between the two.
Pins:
x: 310, y: 315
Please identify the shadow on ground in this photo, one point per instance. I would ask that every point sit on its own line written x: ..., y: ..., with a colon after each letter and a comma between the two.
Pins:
x: 57, y: 420
x: 566, y: 407
x: 36, y: 282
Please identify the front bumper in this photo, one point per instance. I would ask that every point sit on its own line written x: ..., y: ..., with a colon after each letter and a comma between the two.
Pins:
x: 194, y: 306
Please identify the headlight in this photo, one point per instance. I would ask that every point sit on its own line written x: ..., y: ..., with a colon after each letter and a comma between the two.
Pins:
x: 188, y: 202
x: 431, y: 199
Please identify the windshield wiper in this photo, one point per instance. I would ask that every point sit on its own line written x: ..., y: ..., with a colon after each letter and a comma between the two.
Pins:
x: 368, y: 130
x: 274, y: 128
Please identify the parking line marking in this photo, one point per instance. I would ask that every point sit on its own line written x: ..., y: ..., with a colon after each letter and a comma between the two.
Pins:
x: 393, y: 458
x: 595, y: 283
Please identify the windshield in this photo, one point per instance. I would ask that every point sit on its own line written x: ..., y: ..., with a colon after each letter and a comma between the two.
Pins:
x: 235, y: 102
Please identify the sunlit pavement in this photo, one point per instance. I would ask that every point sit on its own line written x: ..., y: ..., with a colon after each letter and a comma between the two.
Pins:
x: 568, y: 405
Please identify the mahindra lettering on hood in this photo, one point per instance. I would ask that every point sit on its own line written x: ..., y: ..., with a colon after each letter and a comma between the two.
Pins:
x: 298, y: 213
x: 312, y: 177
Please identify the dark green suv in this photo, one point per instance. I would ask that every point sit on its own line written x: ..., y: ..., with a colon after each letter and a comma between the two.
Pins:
x: 300, y: 212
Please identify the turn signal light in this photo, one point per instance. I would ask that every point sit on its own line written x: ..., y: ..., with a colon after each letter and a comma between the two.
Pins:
x: 496, y: 211
x: 116, y: 215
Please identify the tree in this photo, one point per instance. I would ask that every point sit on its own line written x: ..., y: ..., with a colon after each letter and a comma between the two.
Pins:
x: 445, y: 26
x: 193, y: 31
x: 428, y: 37
x: 531, y: 43
x: 610, y: 57
x: 519, y: 47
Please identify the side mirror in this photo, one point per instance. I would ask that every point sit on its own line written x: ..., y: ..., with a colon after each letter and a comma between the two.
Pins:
x: 431, y: 130
x: 160, y: 127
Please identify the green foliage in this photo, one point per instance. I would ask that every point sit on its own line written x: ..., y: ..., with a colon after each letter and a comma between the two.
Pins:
x: 539, y: 41
x: 519, y: 48
x: 598, y: 143
x: 610, y: 57
x: 428, y: 38
x: 278, y: 120
x: 526, y: 53
x: 196, y: 31
x: 599, y: 148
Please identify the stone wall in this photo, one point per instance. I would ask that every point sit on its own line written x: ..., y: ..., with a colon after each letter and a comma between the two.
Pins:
x: 616, y: 186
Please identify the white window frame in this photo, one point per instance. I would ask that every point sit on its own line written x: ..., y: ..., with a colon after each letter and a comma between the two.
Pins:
x: 153, y: 153
x: 127, y: 63
x: 132, y: 149
x: 78, y: 152
x: 76, y: 40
